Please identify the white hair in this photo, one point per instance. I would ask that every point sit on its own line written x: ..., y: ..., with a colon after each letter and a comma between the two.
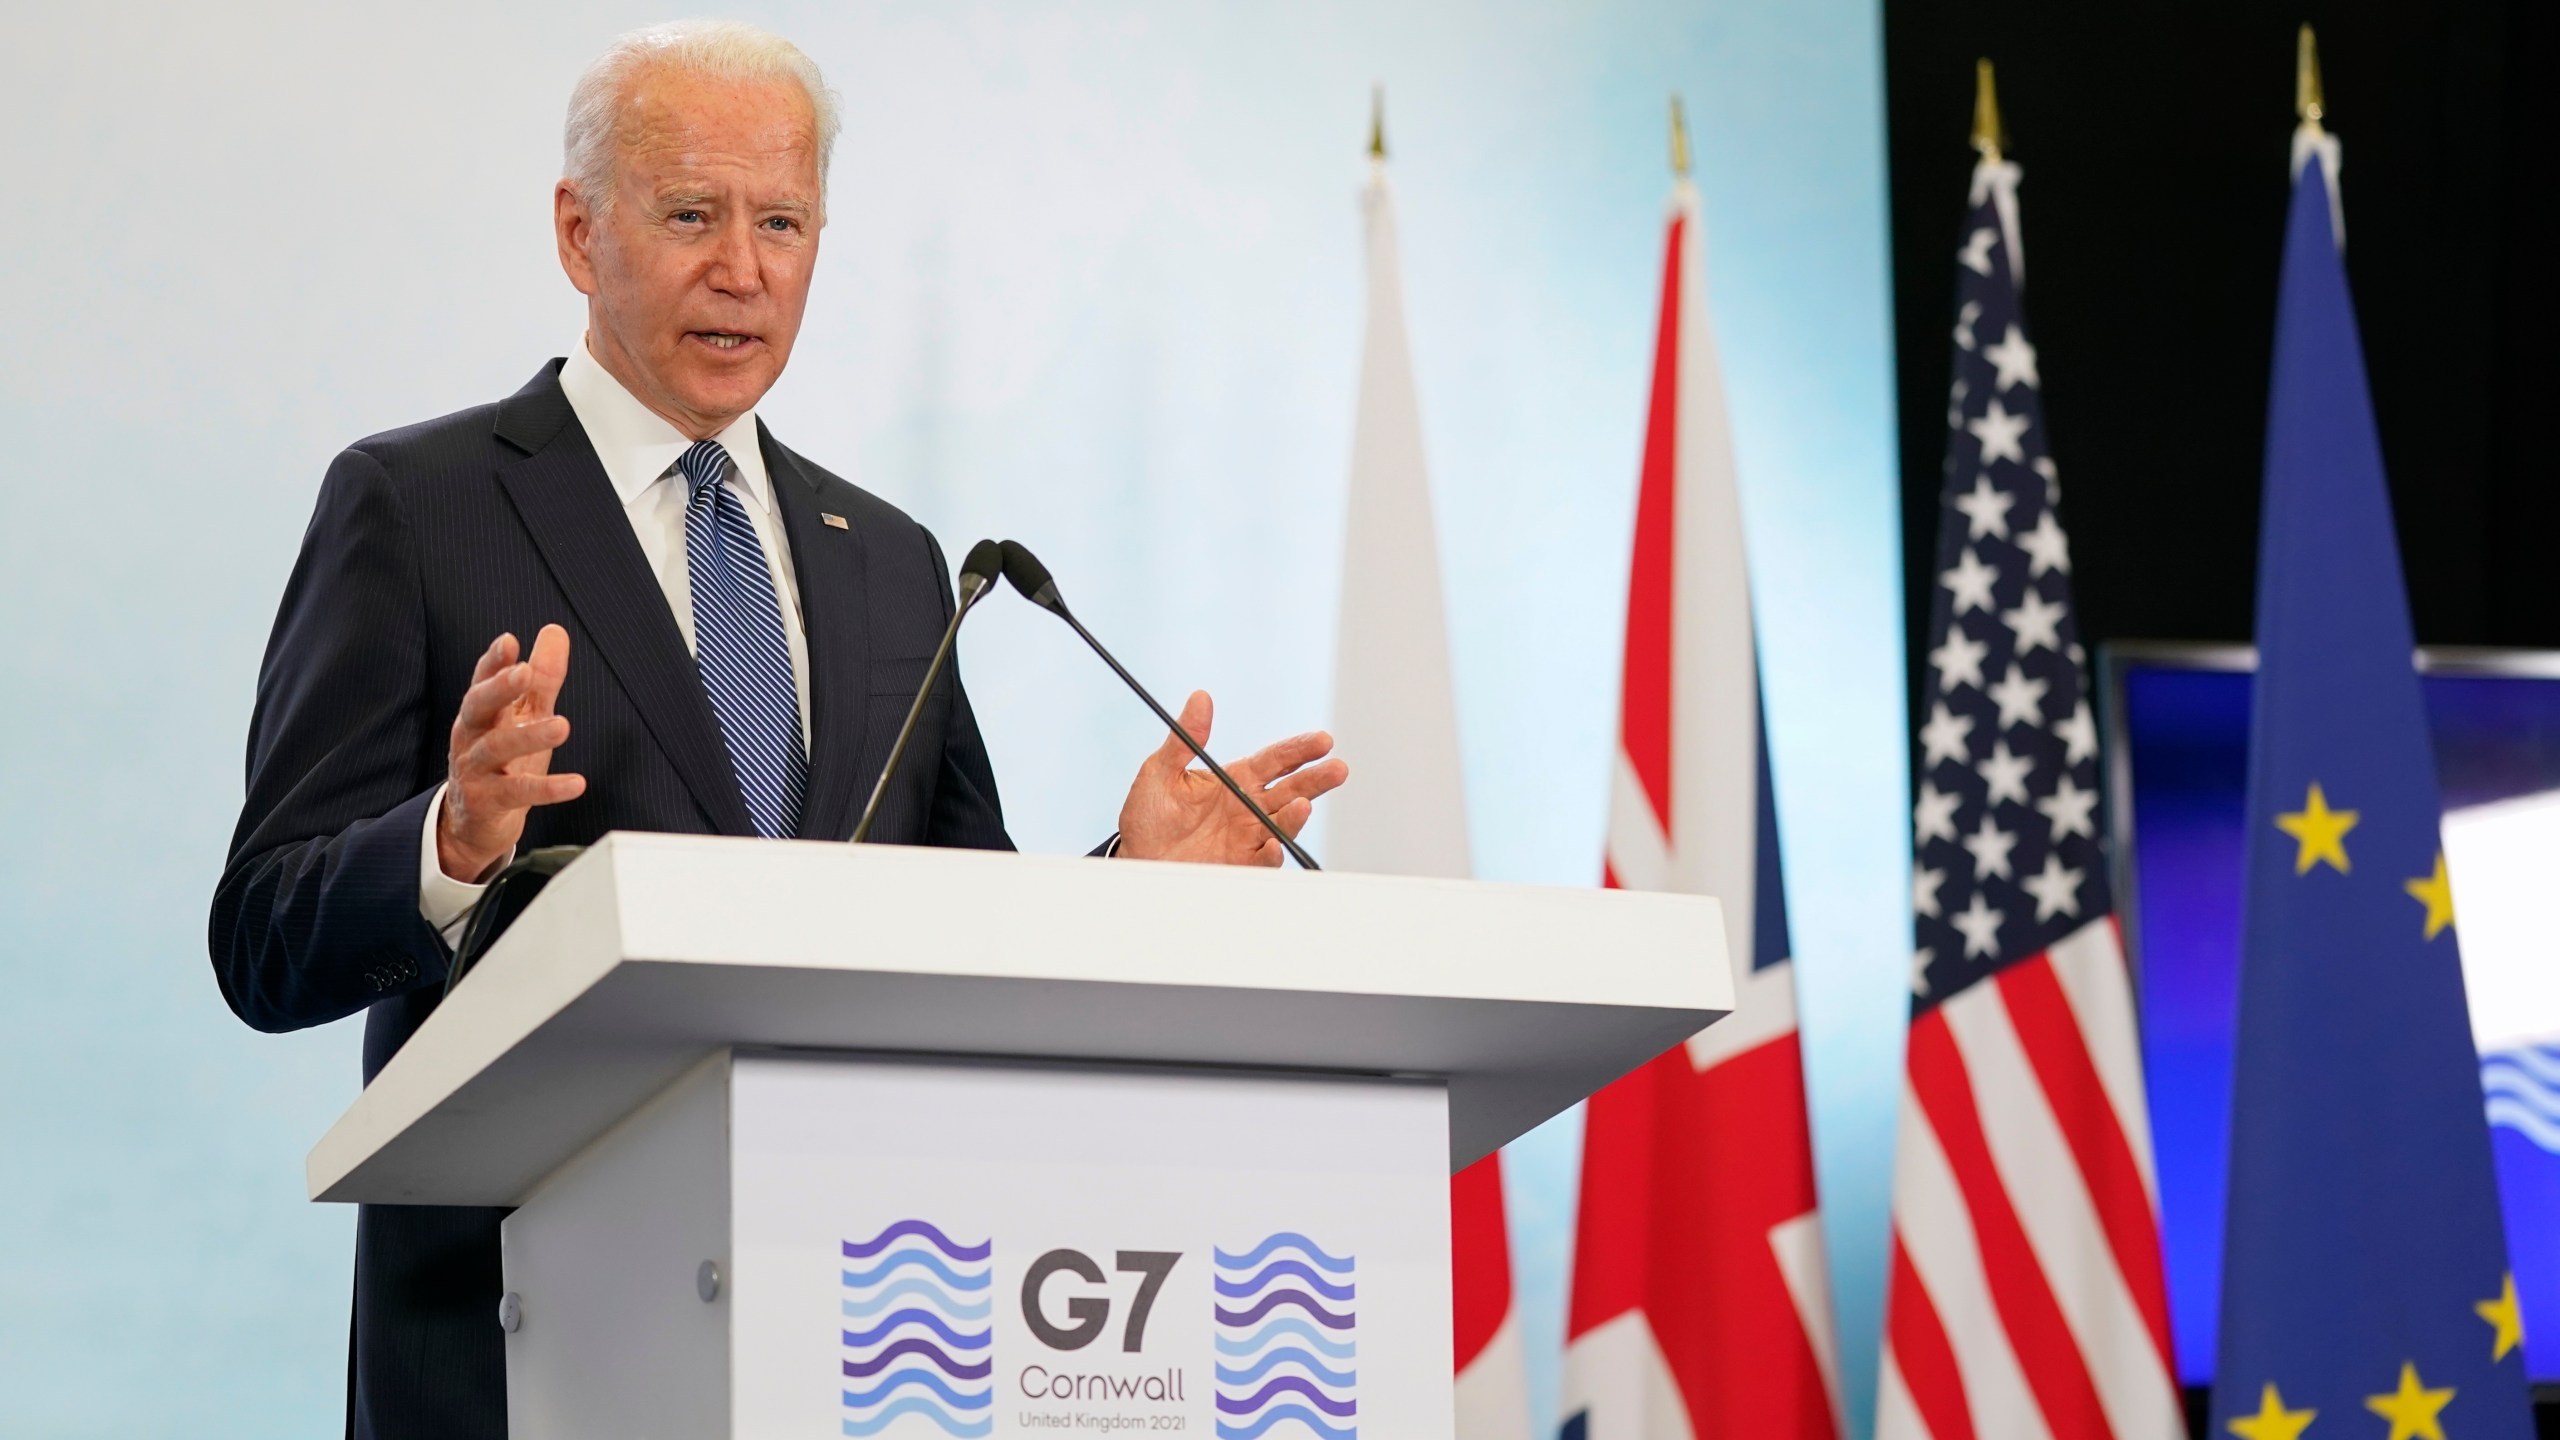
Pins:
x: 730, y: 50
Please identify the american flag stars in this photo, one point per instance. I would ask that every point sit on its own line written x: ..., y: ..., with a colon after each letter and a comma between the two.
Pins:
x: 2003, y: 824
x: 2000, y: 433
x: 2014, y: 359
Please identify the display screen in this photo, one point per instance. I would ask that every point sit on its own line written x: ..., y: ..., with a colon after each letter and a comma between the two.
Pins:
x: 2178, y: 750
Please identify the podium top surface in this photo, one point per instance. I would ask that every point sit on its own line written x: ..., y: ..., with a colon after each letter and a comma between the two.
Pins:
x: 652, y: 951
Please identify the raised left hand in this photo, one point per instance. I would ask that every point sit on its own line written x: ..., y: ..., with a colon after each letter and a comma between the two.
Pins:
x: 1175, y: 812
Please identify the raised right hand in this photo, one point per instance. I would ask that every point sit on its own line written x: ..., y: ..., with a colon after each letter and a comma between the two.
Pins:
x: 498, y: 765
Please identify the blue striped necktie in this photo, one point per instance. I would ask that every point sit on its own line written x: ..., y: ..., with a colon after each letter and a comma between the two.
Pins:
x: 739, y: 645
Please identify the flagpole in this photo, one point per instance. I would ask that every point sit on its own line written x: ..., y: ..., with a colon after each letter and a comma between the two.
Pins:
x: 1993, y: 176
x: 2310, y: 136
x: 1987, y: 134
x: 2307, y: 106
x: 1679, y: 140
x: 1378, y: 123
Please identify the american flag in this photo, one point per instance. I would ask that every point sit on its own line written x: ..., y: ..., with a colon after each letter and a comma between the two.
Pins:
x: 2026, y: 1292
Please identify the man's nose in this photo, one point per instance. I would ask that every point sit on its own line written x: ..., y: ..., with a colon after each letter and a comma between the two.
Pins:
x: 738, y: 269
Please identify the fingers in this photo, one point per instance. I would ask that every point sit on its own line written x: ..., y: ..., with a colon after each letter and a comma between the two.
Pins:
x: 523, y: 792
x: 1292, y: 818
x: 480, y: 700
x: 1280, y: 757
x: 549, y: 667
x: 500, y: 654
x: 505, y: 744
x: 498, y: 682
x: 497, y: 735
x: 488, y: 699
x: 1307, y: 784
x: 1195, y: 717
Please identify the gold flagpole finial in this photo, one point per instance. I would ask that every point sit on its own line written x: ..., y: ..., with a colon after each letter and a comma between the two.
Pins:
x: 1377, y: 122
x: 1986, y: 112
x: 1679, y: 140
x: 2307, y: 103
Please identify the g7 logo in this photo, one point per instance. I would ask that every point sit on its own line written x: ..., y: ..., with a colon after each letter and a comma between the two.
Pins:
x: 1087, y: 1314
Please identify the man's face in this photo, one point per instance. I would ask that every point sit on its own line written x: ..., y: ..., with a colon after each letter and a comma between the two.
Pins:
x: 697, y: 274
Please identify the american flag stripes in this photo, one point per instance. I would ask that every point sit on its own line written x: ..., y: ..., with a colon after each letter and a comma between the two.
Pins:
x: 2026, y: 1294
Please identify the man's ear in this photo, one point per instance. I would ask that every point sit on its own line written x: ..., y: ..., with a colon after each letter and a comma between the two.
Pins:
x: 573, y: 226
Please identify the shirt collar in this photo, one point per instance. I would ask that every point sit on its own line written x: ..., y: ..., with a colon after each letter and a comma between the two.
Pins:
x: 637, y: 445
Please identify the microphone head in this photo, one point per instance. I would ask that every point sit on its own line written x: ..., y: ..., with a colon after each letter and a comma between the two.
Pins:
x: 1031, y: 578
x: 979, y: 570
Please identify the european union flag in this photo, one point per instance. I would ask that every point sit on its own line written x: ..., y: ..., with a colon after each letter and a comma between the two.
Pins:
x: 2365, y: 1278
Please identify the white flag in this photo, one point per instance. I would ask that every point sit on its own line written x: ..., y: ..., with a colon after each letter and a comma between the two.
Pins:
x: 1396, y: 718
x: 1395, y: 709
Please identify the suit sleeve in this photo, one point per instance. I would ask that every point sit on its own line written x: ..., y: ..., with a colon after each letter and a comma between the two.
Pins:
x: 966, y: 813
x: 316, y: 916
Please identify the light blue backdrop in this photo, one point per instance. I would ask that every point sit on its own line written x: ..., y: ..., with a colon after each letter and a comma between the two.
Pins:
x: 1092, y: 280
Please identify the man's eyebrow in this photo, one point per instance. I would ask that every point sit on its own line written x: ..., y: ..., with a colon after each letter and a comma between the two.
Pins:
x: 679, y: 198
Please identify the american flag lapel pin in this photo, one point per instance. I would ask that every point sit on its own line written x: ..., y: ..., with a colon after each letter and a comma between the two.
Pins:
x: 835, y: 520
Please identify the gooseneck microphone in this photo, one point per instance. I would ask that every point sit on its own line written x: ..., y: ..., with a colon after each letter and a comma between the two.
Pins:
x: 977, y: 575
x: 1032, y: 578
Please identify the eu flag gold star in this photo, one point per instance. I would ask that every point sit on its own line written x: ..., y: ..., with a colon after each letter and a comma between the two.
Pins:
x: 2503, y: 1314
x: 2436, y: 893
x: 2321, y: 831
x: 2273, y: 1421
x: 2412, y: 1408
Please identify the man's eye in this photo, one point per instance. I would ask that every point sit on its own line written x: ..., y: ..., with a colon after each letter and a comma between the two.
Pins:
x: 686, y: 217
x: 778, y: 224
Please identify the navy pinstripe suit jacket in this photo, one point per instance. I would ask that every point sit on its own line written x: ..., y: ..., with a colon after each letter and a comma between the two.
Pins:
x: 427, y: 543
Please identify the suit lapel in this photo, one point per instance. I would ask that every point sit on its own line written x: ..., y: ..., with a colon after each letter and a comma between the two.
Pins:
x: 833, y: 603
x: 560, y: 491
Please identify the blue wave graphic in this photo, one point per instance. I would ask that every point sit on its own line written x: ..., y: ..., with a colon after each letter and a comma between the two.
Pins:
x: 1288, y: 1238
x: 1286, y: 1354
x: 942, y: 1300
x: 918, y: 1405
x: 2506, y: 1072
x: 1321, y: 1396
x: 2516, y: 1085
x: 1292, y: 1327
x: 1287, y: 1385
x: 2542, y: 1061
x: 951, y: 1336
x: 2522, y: 1091
x: 900, y: 1292
x: 2544, y: 1134
x: 865, y: 1249
x: 1285, y: 1270
x: 956, y: 1279
x: 957, y: 1398
x: 1277, y: 1298
x: 952, y: 1365
x: 1278, y: 1413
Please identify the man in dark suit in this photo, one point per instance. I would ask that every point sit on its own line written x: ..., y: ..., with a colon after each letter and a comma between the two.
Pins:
x: 749, y: 630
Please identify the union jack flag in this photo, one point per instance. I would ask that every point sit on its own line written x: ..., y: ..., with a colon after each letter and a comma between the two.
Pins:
x: 1701, y: 1307
x: 2026, y: 1295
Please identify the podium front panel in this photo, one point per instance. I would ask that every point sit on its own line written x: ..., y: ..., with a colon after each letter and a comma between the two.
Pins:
x: 938, y: 1250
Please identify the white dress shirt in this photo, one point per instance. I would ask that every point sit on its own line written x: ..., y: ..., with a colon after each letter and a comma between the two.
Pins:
x: 639, y: 450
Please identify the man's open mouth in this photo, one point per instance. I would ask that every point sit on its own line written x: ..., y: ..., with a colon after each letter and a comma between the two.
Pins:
x: 721, y: 339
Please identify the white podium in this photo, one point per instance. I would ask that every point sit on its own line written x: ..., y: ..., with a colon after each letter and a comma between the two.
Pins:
x: 822, y: 1140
